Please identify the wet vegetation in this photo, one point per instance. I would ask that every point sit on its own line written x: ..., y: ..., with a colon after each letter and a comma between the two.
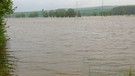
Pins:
x: 5, y: 7
x: 7, y: 63
x: 127, y: 72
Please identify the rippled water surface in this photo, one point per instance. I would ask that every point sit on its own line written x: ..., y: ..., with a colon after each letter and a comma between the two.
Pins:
x: 87, y: 46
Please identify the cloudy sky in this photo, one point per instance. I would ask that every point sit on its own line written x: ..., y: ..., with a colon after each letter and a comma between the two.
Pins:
x: 34, y: 5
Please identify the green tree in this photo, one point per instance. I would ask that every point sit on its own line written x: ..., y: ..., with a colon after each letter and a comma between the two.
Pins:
x: 33, y: 14
x: 45, y: 14
x: 94, y: 14
x: 71, y: 13
x: 104, y: 13
x: 110, y: 12
x: 60, y: 13
x: 52, y: 13
x: 122, y: 11
x: 5, y: 7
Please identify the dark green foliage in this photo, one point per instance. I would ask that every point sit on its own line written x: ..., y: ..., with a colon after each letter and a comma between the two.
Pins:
x: 33, y: 14
x: 124, y: 10
x: 71, y: 13
x: 5, y: 7
x: 3, y: 37
x: 45, y: 14
x: 3, y: 63
x: 60, y: 13
x: 108, y: 11
x: 91, y: 11
x: 66, y: 13
x: 94, y: 14
x: 52, y: 13
x: 7, y: 63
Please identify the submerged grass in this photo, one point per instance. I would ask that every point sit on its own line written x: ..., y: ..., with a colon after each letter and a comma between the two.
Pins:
x: 130, y: 72
x: 4, y: 68
x: 7, y: 63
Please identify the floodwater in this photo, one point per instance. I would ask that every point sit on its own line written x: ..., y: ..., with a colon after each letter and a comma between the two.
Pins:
x: 87, y: 46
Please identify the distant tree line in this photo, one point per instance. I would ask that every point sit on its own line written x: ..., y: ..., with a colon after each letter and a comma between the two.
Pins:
x: 50, y: 13
x: 61, y: 13
x: 33, y: 14
x: 121, y: 10
x: 23, y: 15
x: 124, y: 10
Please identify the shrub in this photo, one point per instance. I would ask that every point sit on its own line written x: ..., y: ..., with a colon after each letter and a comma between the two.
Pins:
x: 5, y: 7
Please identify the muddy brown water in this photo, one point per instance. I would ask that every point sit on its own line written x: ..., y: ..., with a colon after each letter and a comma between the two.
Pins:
x: 87, y: 46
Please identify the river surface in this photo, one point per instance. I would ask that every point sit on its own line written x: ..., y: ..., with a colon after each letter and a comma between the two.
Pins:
x: 87, y: 46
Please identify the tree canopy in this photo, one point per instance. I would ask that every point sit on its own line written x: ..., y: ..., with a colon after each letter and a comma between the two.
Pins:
x: 123, y: 10
x: 5, y: 7
x: 33, y: 14
x: 61, y: 13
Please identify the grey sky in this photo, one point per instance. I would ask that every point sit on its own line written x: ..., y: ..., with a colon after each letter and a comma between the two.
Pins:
x: 34, y: 5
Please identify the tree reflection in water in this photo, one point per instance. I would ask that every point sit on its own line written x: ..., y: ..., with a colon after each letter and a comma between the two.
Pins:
x: 7, y: 63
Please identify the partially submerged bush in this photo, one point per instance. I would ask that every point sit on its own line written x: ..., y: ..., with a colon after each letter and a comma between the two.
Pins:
x: 5, y: 7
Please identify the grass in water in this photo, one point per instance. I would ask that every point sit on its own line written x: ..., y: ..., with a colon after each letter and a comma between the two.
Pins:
x: 130, y: 71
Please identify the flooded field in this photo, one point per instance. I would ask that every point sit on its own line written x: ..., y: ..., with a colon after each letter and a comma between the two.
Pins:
x: 87, y: 46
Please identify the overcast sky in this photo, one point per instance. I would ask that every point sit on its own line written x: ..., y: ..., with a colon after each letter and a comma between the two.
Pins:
x: 36, y: 5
